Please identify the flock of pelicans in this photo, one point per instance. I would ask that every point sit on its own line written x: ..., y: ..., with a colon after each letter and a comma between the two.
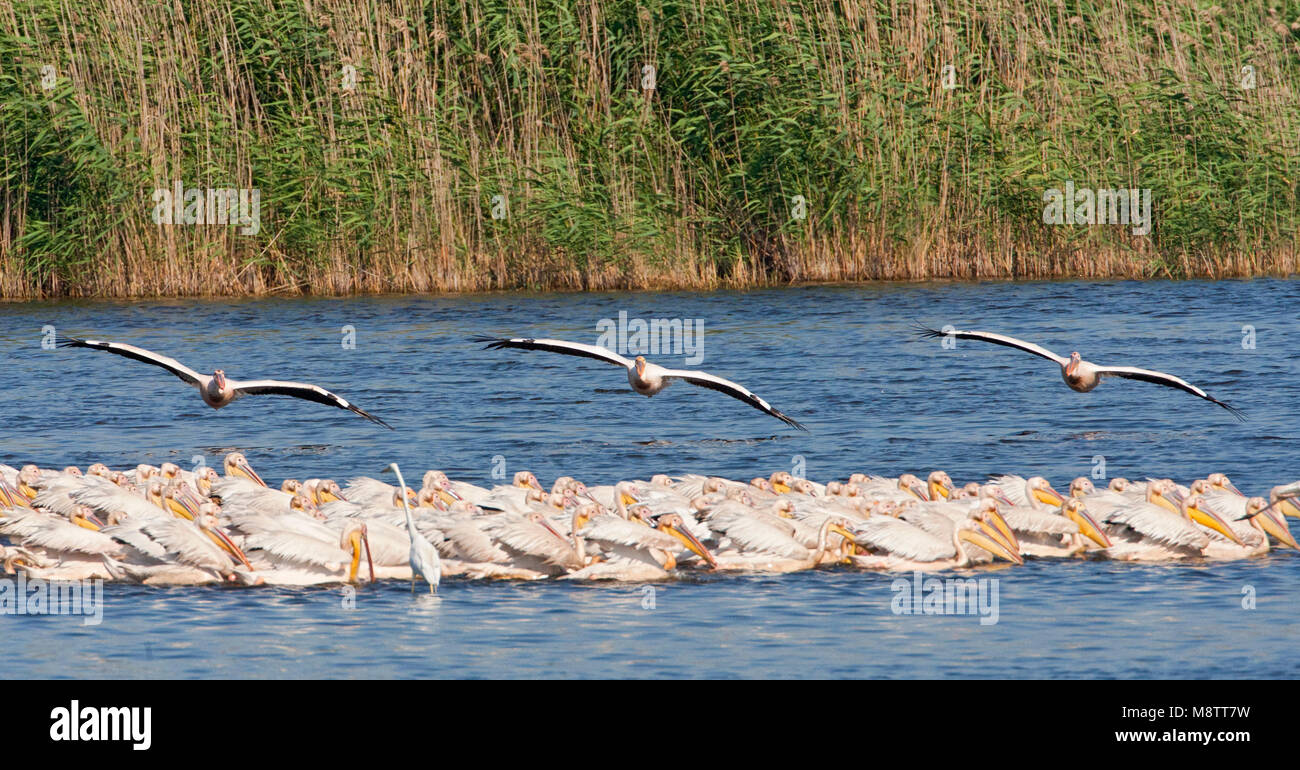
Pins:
x: 168, y: 526
x: 646, y: 378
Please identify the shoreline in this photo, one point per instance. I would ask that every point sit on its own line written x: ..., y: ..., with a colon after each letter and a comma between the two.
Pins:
x: 1280, y: 265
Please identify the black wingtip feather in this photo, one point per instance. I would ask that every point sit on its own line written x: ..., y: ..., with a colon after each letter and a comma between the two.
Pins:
x: 61, y: 341
x: 1237, y: 413
x: 370, y: 417
x: 493, y: 343
x: 926, y: 333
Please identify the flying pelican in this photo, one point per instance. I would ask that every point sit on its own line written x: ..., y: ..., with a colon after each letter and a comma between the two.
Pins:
x: 424, y: 557
x: 216, y: 389
x: 1080, y: 375
x: 644, y: 377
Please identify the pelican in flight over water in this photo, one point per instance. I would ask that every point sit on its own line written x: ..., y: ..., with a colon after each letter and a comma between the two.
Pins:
x: 644, y: 377
x: 1080, y: 375
x: 216, y: 389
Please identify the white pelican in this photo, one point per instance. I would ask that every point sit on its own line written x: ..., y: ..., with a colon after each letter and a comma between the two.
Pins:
x: 631, y: 550
x: 313, y: 557
x: 645, y: 378
x: 931, y: 542
x: 1161, y: 527
x: 1285, y: 498
x: 424, y: 557
x: 1044, y: 521
x: 1253, y: 521
x: 1080, y: 375
x: 216, y: 389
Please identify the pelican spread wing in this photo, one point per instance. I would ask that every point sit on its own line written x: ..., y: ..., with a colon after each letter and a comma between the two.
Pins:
x: 996, y: 339
x: 713, y: 382
x: 612, y: 529
x: 1168, y: 380
x: 300, y: 548
x: 301, y: 390
x: 902, y: 539
x: 186, y: 374
x: 1160, y: 525
x: 555, y: 346
x: 39, y: 529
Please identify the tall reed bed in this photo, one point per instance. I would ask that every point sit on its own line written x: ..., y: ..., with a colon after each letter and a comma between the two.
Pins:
x: 477, y: 144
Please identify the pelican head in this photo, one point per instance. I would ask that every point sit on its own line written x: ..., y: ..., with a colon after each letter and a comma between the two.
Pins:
x: 1164, y: 493
x: 203, y: 479
x: 28, y: 478
x: 237, y: 465
x: 781, y: 482
x: 219, y: 377
x: 971, y: 531
x: 1081, y: 487
x: 1270, y: 520
x: 661, y: 480
x: 1118, y: 484
x: 1283, y: 497
x: 783, y: 508
x: 674, y: 525
x: 583, y: 514
x: 207, y: 521
x: 714, y: 484
x: 72, y: 470
x: 1075, y: 360
x: 153, y: 492
x: 992, y: 492
x: 909, y: 483
x: 625, y: 494
x: 639, y: 365
x: 527, y: 479
x: 177, y: 500
x: 985, y: 511
x: 1221, y: 482
x: 1037, y: 489
x: 327, y: 491
x: 834, y: 488
x: 762, y: 484
x: 1088, y: 526
x: 939, y: 484
x: 537, y: 517
x: 98, y: 469
x: 84, y: 516
x: 356, y: 535
x: 1194, y: 508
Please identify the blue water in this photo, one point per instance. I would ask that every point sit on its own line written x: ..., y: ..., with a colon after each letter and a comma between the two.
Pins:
x: 842, y: 360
